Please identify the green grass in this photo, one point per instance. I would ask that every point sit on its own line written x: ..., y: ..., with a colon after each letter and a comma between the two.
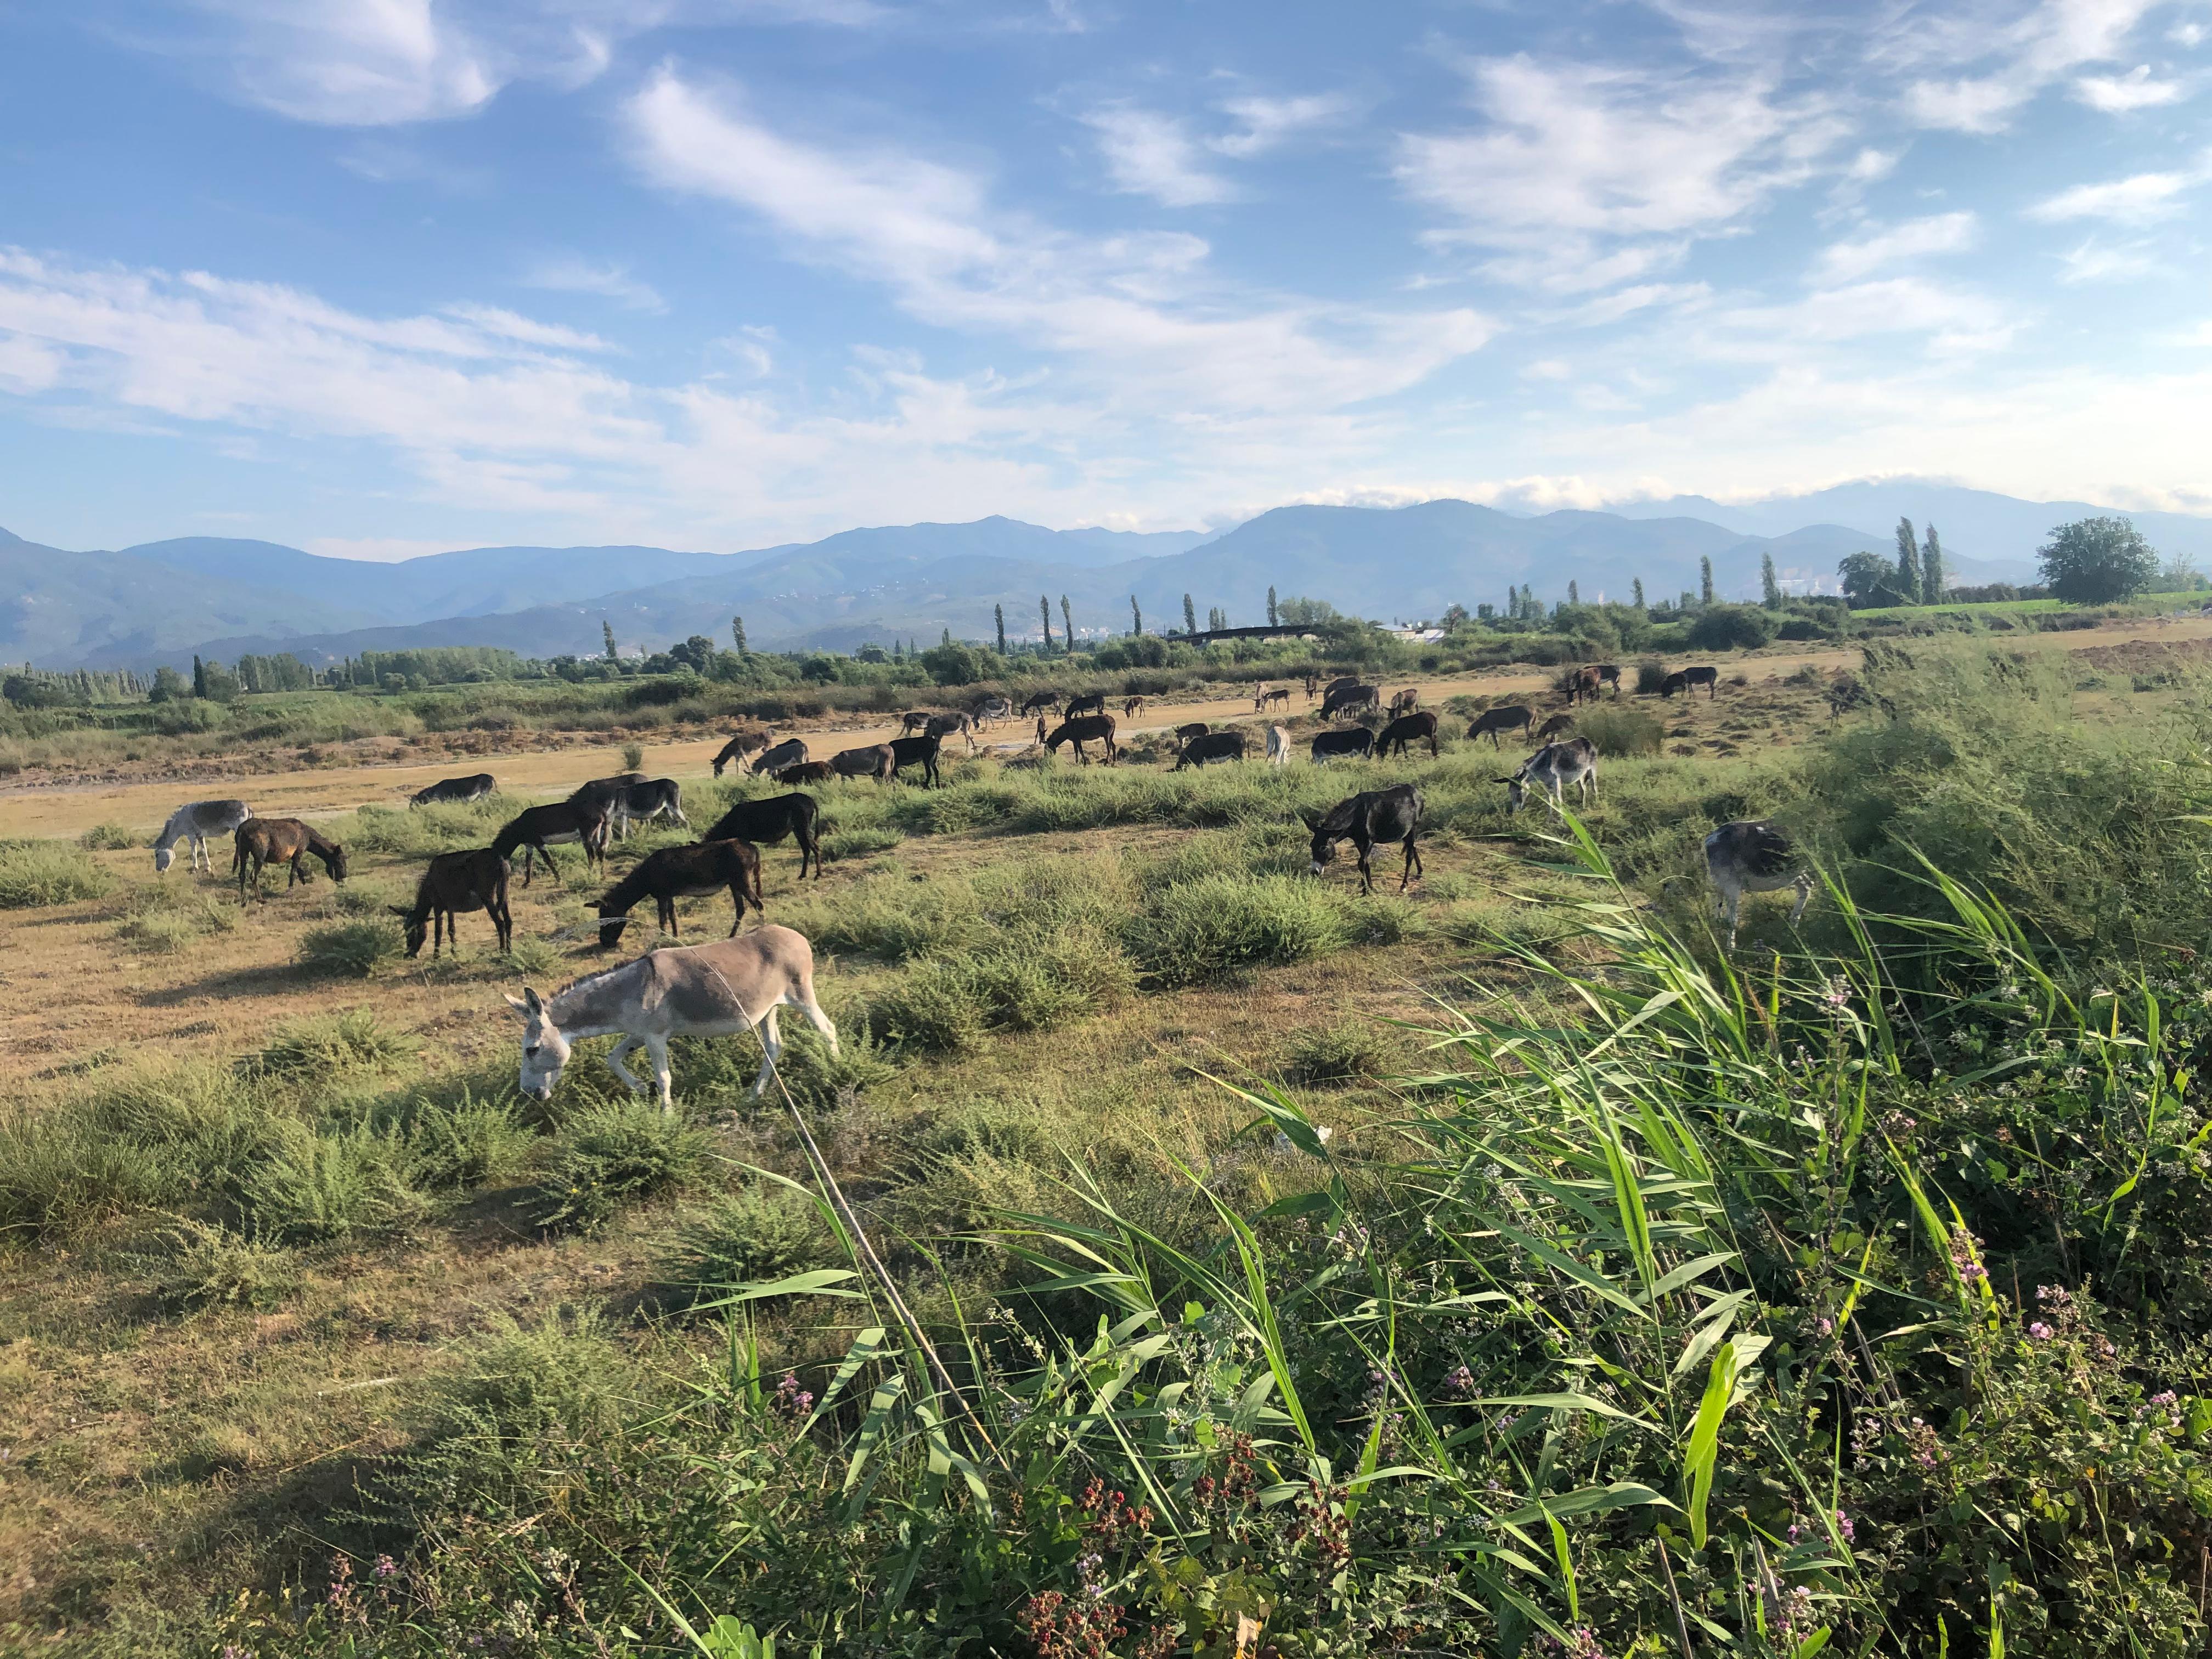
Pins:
x: 34, y: 873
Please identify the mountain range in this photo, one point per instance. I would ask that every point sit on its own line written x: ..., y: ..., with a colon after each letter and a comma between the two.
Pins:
x: 165, y: 601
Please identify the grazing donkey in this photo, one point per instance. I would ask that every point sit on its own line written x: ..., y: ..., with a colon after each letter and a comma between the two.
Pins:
x: 263, y: 841
x: 536, y: 829
x: 1420, y: 726
x: 944, y: 725
x: 1083, y: 729
x: 1582, y: 686
x: 1558, y: 725
x: 454, y: 882
x: 990, y: 711
x: 764, y: 822
x: 873, y: 760
x: 804, y: 772
x: 790, y: 752
x: 1349, y: 699
x: 1352, y: 740
x: 745, y: 743
x: 1191, y: 731
x: 1752, y: 856
x: 719, y: 989
x: 1510, y: 718
x: 674, y: 872
x: 1683, y: 680
x: 1213, y: 746
x: 447, y: 791
x: 1095, y: 703
x: 1132, y: 707
x: 1369, y: 819
x: 1404, y: 703
x: 1609, y: 673
x: 1279, y: 746
x: 630, y: 799
x: 1266, y: 694
x: 918, y: 751
x: 1043, y: 703
x: 195, y: 821
x: 1551, y: 768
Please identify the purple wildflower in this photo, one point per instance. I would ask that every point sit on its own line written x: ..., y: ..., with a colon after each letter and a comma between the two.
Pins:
x: 2040, y: 1332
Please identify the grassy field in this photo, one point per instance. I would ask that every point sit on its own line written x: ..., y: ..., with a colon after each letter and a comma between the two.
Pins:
x: 318, y: 1339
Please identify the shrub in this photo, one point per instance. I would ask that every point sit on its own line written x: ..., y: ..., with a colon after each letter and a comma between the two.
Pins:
x: 1731, y: 627
x: 607, y: 1157
x: 531, y: 957
x: 455, y: 1147
x: 349, y: 950
x: 757, y: 1234
x: 201, y: 1266
x: 159, y: 933
x: 1342, y: 1052
x: 106, y: 838
x: 316, y: 1186
x: 1220, y: 926
x: 930, y: 1007
x: 633, y: 757
x: 316, y: 1049
x: 1650, y: 676
x: 1621, y: 731
x: 40, y: 872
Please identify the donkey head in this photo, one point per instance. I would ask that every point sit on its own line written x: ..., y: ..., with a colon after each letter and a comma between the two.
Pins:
x: 163, y: 858
x: 417, y: 926
x: 545, y: 1050
x: 611, y: 923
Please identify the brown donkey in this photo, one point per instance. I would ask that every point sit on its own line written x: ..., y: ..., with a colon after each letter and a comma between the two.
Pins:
x: 263, y: 841
x: 455, y: 881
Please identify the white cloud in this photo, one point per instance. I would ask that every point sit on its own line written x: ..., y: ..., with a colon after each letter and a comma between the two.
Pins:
x: 2136, y: 200
x: 2116, y: 95
x: 1263, y: 124
x: 1548, y: 368
x: 1149, y: 154
x: 2018, y: 51
x: 505, y: 325
x: 1575, y: 157
x: 571, y: 275
x: 1941, y: 233
x: 2097, y: 261
x: 1140, y: 314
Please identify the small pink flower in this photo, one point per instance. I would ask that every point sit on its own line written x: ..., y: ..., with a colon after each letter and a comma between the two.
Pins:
x: 2040, y: 1332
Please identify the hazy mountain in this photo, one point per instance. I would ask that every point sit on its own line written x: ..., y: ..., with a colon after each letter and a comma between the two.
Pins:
x: 2002, y: 532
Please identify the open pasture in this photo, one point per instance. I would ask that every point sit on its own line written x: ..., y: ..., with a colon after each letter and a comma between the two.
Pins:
x: 280, y: 1232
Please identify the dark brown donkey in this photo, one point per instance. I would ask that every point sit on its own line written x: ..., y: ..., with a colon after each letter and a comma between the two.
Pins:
x: 764, y: 822
x: 804, y: 772
x: 875, y: 761
x: 264, y: 842
x: 1417, y: 727
x: 1083, y: 729
x: 1490, y: 721
x: 674, y: 872
x: 454, y: 882
x: 535, y: 828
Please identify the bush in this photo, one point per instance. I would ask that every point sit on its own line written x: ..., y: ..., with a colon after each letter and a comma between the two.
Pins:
x: 349, y: 950
x: 39, y: 872
x: 106, y: 838
x: 1650, y: 676
x: 1621, y: 731
x: 314, y: 1187
x: 757, y: 1234
x: 609, y: 1155
x: 633, y: 757
x: 932, y: 1006
x: 1342, y: 1052
x: 1221, y: 926
x: 318, y: 1048
x: 1731, y: 627
x: 454, y: 1148
x: 201, y: 1266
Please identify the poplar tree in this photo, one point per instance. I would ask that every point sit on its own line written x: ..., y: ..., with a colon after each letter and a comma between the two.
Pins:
x: 1770, y: 588
x: 607, y: 632
x: 1574, y: 592
x: 199, y: 676
x: 999, y: 615
x: 1705, y: 580
x: 1638, y: 587
x: 738, y: 633
x: 1931, y: 569
x: 1189, y: 615
x: 1275, y: 617
x: 1044, y: 610
x: 1136, y: 617
x: 1908, y: 564
x: 1067, y: 626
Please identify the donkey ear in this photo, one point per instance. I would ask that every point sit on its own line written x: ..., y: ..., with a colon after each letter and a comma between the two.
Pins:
x: 1312, y: 817
x: 399, y: 909
x: 519, y: 1005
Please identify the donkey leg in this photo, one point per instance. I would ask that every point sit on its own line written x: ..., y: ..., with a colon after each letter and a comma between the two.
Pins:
x: 771, y: 1046
x: 615, y: 1054
x: 801, y: 997
x: 656, y: 1048
x: 1804, y: 886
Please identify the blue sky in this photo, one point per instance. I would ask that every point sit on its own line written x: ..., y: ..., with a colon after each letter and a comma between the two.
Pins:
x: 387, y: 277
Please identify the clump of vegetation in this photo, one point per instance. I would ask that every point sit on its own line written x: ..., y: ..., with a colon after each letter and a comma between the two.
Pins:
x: 757, y: 1234
x: 199, y: 1266
x: 633, y: 756
x: 35, y: 873
x: 162, y: 918
x: 861, y: 841
x: 1219, y: 927
x: 1617, y: 730
x: 312, y: 1050
x: 349, y: 950
x: 611, y: 1155
x: 458, y: 1146
x: 109, y: 838
x: 315, y: 1186
x: 1349, y: 1051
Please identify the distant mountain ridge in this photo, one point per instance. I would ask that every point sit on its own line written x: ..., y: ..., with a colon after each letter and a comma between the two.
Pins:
x: 163, y: 601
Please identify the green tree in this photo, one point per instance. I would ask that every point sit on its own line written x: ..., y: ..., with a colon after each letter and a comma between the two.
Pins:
x: 999, y: 615
x: 168, y: 686
x: 1931, y: 569
x: 1273, y: 616
x: 199, y: 676
x: 954, y: 663
x: 1907, y: 581
x: 738, y: 634
x: 1136, y: 618
x: 1455, y: 616
x: 1044, y: 610
x: 2096, y: 560
x: 1869, y: 581
x: 1189, y: 615
x: 1066, y: 625
x: 1574, y: 592
x: 1705, y: 581
x: 1770, y: 588
x: 607, y: 632
x: 1637, y: 587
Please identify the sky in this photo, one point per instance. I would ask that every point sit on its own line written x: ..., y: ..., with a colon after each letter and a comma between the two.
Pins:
x: 378, y: 277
